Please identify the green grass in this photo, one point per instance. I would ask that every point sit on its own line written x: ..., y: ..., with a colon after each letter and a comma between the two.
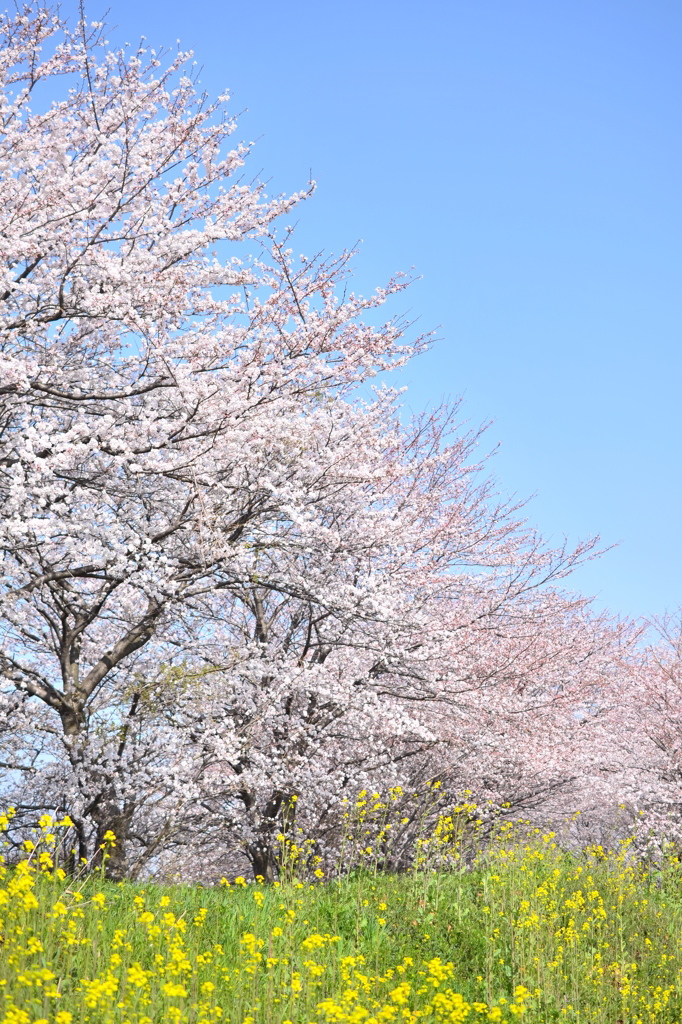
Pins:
x: 530, y: 932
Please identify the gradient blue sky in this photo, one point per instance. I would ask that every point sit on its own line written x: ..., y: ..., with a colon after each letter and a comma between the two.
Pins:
x: 524, y: 157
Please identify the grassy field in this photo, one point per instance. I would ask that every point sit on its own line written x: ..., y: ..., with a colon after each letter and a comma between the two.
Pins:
x: 528, y: 933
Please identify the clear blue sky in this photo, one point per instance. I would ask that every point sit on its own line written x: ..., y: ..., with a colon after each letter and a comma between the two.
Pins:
x: 524, y: 156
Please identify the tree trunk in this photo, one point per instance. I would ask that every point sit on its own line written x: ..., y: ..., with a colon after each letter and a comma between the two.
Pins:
x: 112, y: 855
x: 262, y: 858
x: 278, y: 816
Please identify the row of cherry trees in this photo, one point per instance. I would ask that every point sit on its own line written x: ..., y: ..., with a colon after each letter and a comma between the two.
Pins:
x: 233, y: 591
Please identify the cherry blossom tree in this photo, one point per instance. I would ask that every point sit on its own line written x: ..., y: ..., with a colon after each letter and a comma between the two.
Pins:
x: 643, y: 756
x: 231, y: 589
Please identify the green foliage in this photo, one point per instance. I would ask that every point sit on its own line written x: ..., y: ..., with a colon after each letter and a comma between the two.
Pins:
x: 529, y: 932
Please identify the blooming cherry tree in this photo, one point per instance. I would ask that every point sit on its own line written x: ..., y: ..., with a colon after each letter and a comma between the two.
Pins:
x: 230, y: 588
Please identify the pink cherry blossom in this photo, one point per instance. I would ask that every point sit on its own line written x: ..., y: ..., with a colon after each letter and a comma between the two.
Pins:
x: 231, y: 587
